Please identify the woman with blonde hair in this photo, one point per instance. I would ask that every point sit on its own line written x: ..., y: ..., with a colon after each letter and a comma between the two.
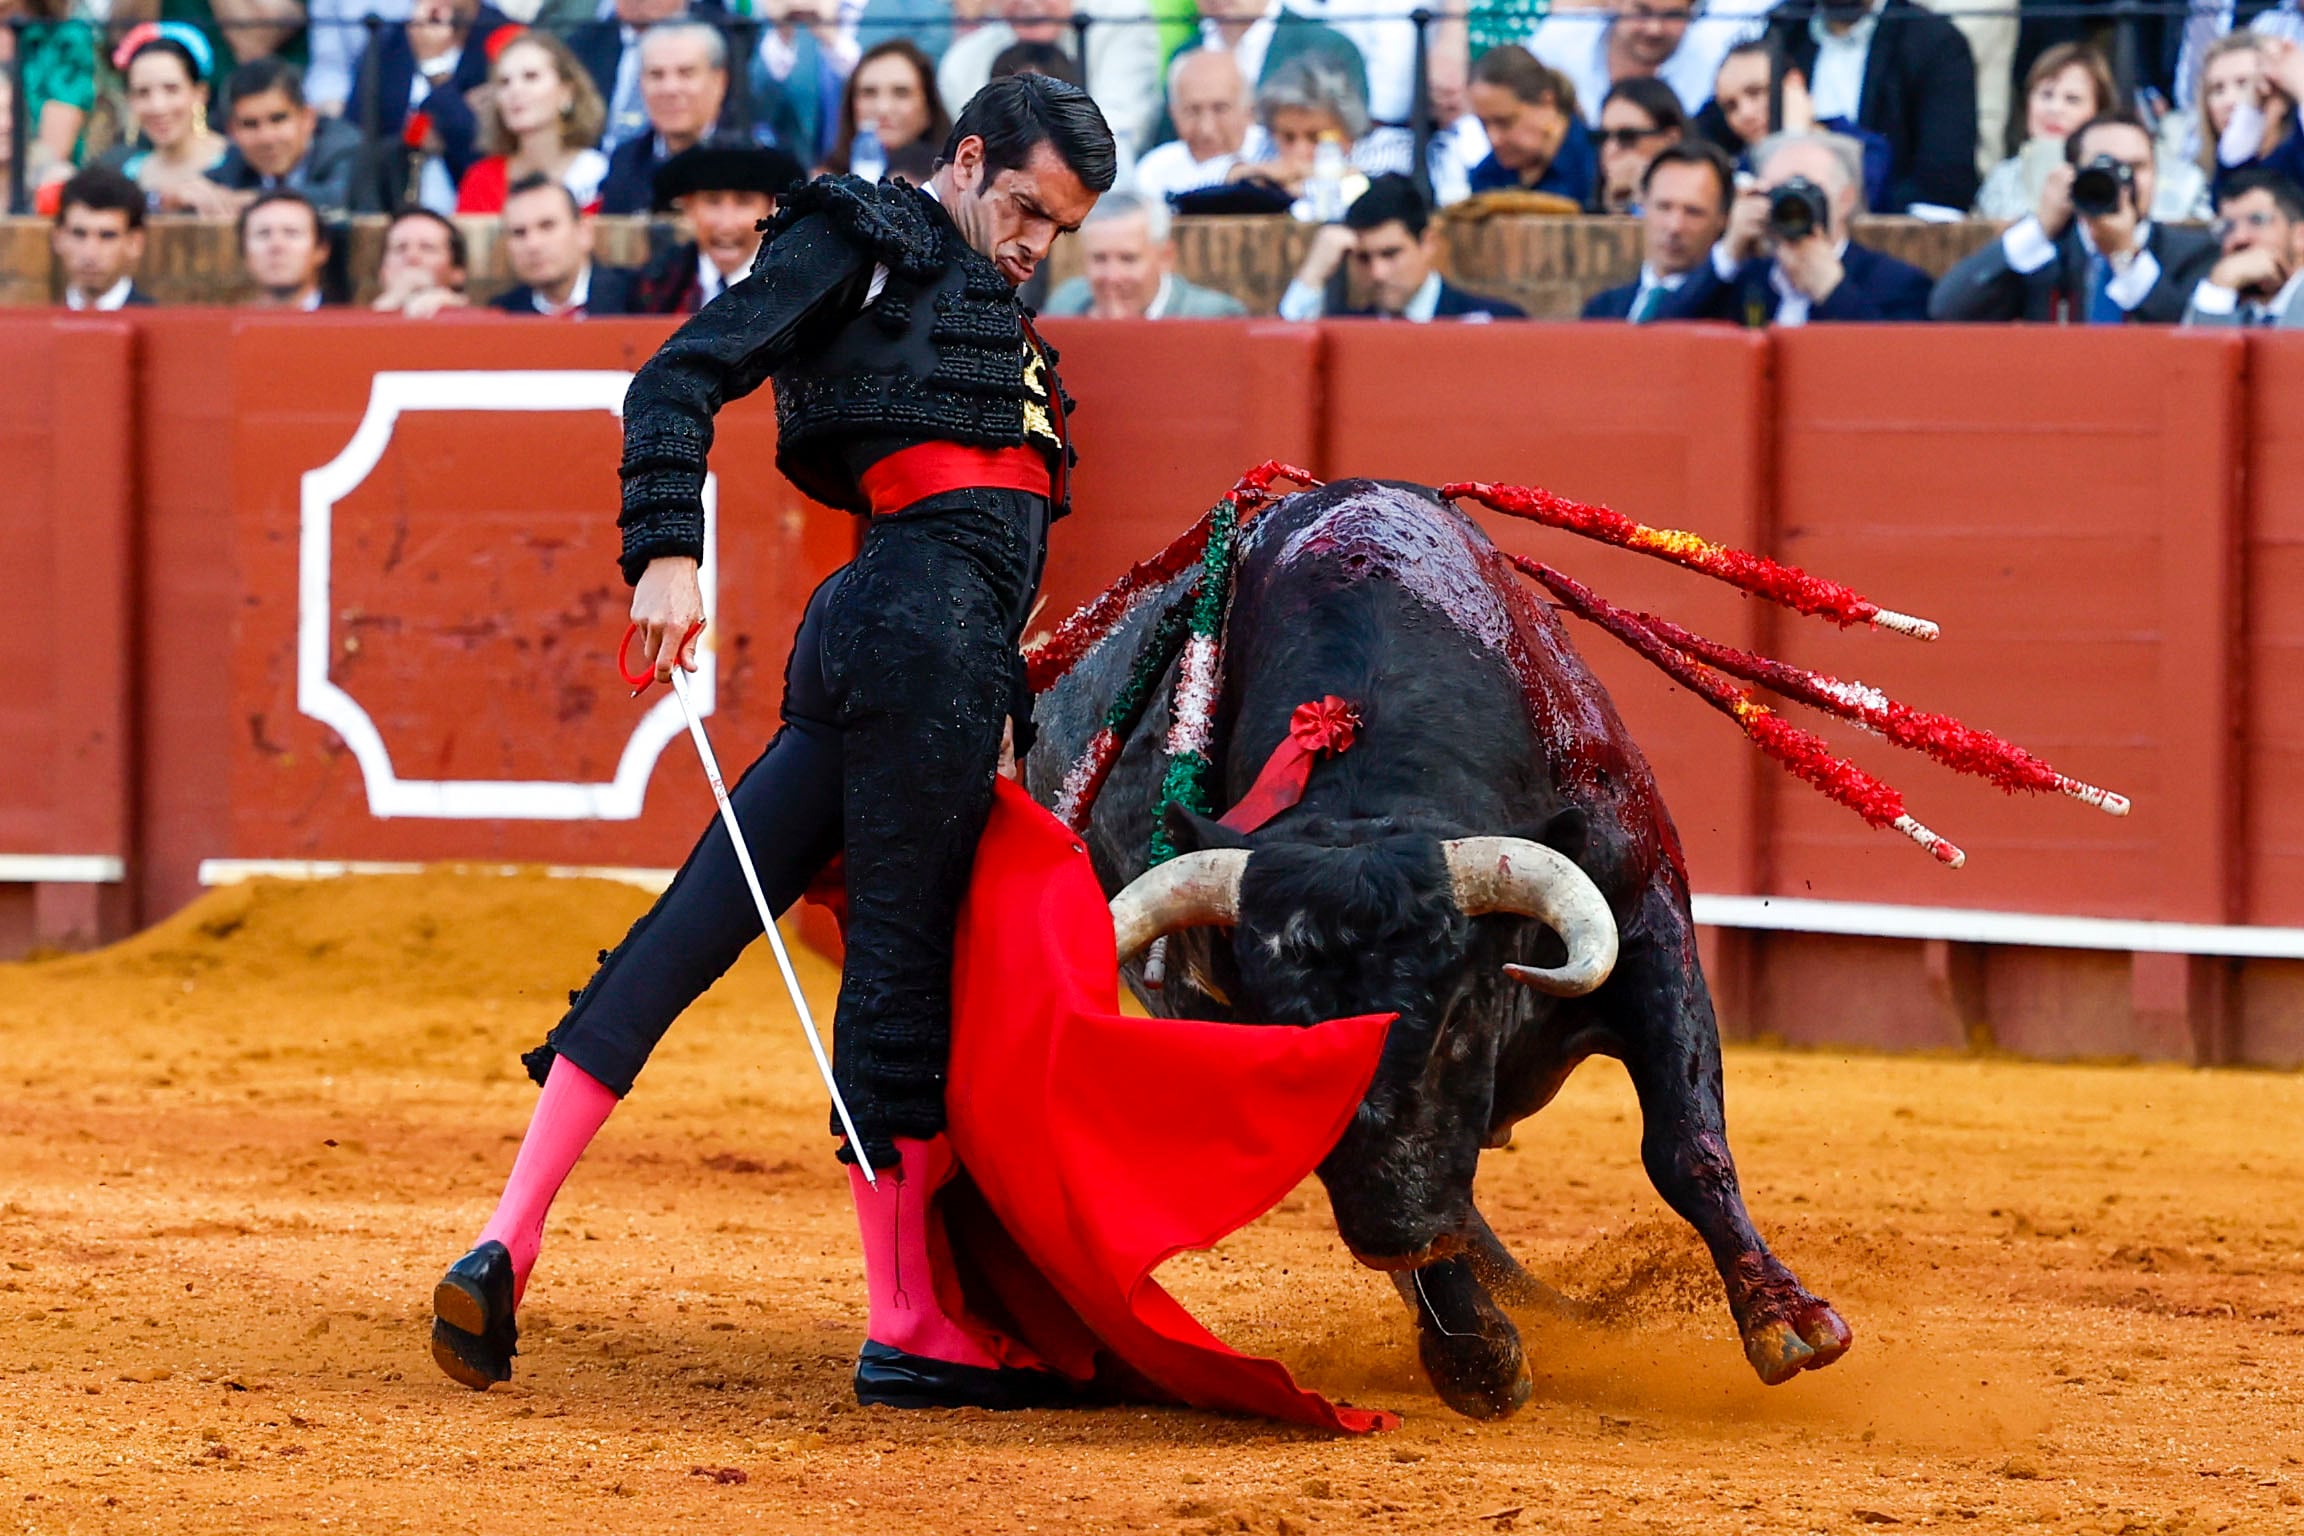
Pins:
x: 543, y: 118
x: 2068, y: 84
x: 2248, y: 90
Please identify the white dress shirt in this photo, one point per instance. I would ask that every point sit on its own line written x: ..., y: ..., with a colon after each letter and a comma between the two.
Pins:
x: 1169, y: 168
x: 113, y: 297
x: 578, y: 296
x: 2027, y: 246
x: 1576, y: 44
x: 1254, y: 44
x: 1306, y: 301
x: 1837, y: 88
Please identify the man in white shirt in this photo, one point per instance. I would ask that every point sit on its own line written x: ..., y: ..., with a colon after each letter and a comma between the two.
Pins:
x: 282, y: 250
x: 1132, y: 269
x: 1394, y: 248
x: 1215, y: 127
x: 2257, y: 280
x: 1684, y: 201
x: 1664, y: 39
x: 99, y: 240
x: 1121, y: 71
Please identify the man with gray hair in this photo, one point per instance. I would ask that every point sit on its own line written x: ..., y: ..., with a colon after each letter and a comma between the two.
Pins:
x: 1208, y: 100
x: 1786, y: 258
x: 1132, y: 270
x: 683, y: 81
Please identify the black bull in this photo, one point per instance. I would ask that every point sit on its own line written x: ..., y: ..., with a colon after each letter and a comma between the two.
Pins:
x: 1478, y: 718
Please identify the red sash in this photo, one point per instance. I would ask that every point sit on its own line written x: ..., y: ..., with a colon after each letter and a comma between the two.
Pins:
x: 912, y: 475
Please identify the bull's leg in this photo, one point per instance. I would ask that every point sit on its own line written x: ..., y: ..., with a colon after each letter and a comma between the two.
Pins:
x: 1659, y: 1006
x: 1469, y: 1347
x: 1503, y: 1277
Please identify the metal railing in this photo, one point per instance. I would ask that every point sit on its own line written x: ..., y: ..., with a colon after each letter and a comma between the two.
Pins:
x: 2116, y: 25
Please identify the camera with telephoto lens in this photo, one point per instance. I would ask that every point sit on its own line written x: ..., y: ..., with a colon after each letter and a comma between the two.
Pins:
x: 2097, y: 186
x: 1798, y: 209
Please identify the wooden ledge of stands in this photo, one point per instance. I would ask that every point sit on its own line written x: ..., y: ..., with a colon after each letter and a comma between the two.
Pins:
x: 1549, y: 266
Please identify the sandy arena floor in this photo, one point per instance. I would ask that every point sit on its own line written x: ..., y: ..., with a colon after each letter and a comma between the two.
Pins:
x: 235, y: 1153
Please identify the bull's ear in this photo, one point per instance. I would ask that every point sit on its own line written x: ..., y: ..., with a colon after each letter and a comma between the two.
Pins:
x: 1567, y: 830
x: 1194, y: 833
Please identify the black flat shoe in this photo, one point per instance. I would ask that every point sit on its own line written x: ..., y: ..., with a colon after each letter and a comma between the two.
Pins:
x: 473, y: 1335
x: 890, y: 1377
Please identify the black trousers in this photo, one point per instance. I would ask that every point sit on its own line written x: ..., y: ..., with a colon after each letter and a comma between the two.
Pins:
x: 901, y: 677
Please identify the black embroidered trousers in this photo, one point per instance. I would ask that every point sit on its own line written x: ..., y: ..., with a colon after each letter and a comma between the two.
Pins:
x: 901, y: 677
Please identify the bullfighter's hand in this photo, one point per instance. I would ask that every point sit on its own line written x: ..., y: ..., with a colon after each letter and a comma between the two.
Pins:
x: 667, y: 604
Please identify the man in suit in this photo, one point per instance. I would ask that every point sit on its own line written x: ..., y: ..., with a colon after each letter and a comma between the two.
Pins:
x: 99, y: 240
x: 2111, y: 266
x: 723, y: 190
x: 1889, y: 69
x: 1132, y: 269
x: 609, y: 50
x: 2257, y: 279
x: 427, y: 67
x: 278, y: 141
x: 1684, y: 202
x: 1395, y: 251
x: 683, y: 81
x: 548, y: 244
x: 1766, y: 271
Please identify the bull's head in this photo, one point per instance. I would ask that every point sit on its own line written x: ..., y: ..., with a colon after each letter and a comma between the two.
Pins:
x: 1381, y: 922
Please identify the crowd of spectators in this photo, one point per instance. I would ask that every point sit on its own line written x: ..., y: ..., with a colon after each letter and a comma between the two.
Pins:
x: 1746, y: 135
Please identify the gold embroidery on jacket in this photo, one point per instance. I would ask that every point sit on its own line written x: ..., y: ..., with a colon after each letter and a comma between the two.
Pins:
x: 1036, y: 420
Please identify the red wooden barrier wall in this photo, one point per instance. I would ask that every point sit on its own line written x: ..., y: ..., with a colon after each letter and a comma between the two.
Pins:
x: 2108, y: 526
x: 65, y: 420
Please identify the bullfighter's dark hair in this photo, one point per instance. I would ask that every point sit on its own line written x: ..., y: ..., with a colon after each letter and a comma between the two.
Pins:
x: 1701, y: 152
x: 1390, y: 198
x: 269, y: 73
x: 282, y: 195
x: 100, y: 189
x: 1017, y: 114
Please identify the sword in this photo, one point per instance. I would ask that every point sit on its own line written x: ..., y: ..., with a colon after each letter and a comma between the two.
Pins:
x: 752, y: 883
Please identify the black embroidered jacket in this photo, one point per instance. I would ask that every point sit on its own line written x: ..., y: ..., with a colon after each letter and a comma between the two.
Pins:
x: 943, y: 355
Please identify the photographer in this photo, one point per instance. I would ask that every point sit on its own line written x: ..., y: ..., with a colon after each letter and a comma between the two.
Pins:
x: 2257, y: 279
x: 2087, y: 254
x: 1786, y: 258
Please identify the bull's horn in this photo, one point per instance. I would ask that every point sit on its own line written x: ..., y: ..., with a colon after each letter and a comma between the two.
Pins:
x: 1192, y: 890
x: 1512, y: 874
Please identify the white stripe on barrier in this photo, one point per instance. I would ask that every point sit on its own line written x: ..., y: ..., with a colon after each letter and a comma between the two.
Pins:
x: 61, y: 869
x: 234, y: 871
x: 1858, y: 919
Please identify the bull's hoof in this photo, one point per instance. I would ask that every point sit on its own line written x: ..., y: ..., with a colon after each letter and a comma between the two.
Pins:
x: 1812, y: 1338
x: 1473, y: 1376
x: 1469, y: 1347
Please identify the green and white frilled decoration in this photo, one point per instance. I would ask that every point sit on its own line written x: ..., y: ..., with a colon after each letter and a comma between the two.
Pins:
x: 1199, y: 674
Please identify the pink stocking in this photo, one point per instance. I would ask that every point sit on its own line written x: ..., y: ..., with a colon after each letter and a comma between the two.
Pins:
x: 901, y: 1253
x: 571, y: 1111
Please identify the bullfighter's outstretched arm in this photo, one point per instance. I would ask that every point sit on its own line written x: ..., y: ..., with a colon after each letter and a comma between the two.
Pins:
x: 725, y: 351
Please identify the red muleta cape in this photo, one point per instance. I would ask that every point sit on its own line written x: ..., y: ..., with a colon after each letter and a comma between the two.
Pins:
x: 1099, y: 1144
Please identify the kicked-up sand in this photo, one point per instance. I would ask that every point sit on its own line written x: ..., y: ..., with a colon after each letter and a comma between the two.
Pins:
x: 236, y: 1151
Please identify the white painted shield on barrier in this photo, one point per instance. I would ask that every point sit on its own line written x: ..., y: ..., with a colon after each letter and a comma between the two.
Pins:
x: 321, y: 698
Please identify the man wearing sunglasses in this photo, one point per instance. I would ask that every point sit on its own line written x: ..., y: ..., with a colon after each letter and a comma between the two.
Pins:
x: 2260, y: 221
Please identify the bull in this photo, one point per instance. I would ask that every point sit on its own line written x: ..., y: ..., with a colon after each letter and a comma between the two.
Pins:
x: 1490, y: 861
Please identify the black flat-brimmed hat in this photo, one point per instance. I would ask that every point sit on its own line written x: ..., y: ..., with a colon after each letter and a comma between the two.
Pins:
x: 725, y: 165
